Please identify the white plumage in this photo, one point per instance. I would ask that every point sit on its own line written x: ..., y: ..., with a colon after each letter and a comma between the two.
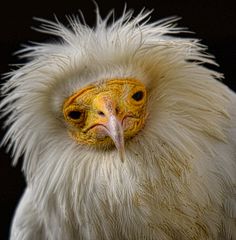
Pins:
x: 178, y: 180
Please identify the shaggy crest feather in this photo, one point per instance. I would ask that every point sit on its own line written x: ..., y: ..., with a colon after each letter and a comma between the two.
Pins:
x: 179, y: 170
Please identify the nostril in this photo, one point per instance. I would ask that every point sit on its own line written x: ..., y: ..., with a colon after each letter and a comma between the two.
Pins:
x: 117, y: 110
x: 100, y: 113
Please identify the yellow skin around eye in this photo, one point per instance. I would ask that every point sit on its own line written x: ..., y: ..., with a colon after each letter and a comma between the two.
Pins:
x: 101, y: 102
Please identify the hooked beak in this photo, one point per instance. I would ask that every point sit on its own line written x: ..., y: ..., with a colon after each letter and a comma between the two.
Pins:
x: 111, y: 121
x: 115, y: 131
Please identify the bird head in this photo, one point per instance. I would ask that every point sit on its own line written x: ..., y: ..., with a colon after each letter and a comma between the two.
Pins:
x: 106, y: 114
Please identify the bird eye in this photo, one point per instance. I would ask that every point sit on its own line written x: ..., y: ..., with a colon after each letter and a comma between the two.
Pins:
x: 75, y: 115
x: 138, y: 96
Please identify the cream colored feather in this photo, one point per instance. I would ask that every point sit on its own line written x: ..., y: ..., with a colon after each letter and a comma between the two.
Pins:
x: 178, y: 180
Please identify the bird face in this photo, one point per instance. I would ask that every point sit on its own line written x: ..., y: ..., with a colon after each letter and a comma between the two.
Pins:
x: 107, y: 113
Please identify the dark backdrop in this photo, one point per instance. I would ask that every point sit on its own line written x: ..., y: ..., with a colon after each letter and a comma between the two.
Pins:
x: 213, y: 22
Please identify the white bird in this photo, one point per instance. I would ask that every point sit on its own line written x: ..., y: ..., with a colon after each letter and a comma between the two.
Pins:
x: 125, y: 133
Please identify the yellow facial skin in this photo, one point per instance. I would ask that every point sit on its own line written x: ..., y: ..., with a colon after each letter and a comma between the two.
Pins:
x: 107, y: 114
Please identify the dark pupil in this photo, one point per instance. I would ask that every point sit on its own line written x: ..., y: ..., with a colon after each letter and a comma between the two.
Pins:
x: 138, y: 96
x: 74, y: 115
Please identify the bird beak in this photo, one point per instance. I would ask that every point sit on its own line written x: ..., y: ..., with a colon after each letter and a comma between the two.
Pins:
x: 111, y: 121
x: 115, y: 131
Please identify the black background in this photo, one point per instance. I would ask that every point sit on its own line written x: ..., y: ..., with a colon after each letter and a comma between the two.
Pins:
x: 213, y: 22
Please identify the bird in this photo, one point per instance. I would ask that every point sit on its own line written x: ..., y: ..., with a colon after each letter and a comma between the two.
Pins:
x: 127, y: 131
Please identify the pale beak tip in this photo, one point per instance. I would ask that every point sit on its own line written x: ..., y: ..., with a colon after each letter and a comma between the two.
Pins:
x: 122, y: 156
x: 115, y: 131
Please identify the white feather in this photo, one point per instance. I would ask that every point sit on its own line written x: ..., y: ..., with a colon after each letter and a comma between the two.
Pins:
x: 178, y: 180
